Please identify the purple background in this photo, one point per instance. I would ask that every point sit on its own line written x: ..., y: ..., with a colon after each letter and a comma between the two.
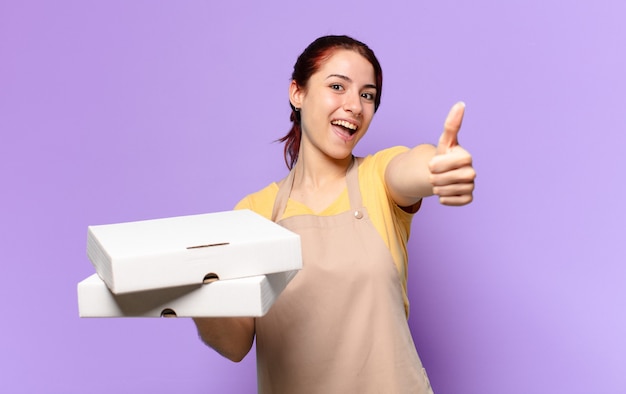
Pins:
x: 126, y: 110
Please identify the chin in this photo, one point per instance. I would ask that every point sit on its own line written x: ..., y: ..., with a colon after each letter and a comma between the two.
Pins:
x: 340, y: 154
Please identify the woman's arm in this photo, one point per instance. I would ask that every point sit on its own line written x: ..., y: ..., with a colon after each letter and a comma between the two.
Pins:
x: 407, y: 175
x: 445, y: 170
x: 231, y: 337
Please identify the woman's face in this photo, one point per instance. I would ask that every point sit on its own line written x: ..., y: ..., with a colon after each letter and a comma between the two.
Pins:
x: 336, y: 105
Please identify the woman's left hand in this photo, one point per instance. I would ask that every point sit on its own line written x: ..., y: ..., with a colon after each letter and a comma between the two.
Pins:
x: 451, y: 172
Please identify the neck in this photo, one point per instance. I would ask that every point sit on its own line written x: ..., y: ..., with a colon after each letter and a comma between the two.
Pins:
x: 314, y: 173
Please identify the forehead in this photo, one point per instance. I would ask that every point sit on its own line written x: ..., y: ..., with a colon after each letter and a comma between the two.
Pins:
x: 350, y: 64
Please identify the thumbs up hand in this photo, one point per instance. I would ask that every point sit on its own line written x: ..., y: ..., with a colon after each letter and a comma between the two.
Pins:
x: 451, y: 172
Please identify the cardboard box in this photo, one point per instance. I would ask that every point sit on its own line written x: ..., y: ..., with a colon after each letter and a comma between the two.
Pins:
x: 177, y: 251
x: 252, y: 296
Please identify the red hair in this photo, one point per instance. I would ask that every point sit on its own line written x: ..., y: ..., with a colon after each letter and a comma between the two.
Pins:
x: 307, y: 64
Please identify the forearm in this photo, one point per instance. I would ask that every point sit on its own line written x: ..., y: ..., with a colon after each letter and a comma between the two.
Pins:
x: 408, y: 175
x: 230, y: 337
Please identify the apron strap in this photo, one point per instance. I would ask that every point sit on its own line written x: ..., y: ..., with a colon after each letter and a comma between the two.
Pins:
x: 352, y: 182
x: 280, y: 203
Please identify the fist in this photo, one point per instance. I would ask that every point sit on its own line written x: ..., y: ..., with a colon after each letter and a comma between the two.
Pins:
x: 451, y: 172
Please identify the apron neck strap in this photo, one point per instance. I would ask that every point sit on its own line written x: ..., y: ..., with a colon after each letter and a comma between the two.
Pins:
x: 352, y: 182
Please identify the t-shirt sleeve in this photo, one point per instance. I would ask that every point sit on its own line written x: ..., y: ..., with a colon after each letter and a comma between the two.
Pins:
x: 261, y: 202
x: 381, y: 160
x: 244, y: 203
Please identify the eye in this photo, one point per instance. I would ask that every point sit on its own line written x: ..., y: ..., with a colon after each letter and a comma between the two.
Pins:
x: 336, y: 86
x: 368, y: 96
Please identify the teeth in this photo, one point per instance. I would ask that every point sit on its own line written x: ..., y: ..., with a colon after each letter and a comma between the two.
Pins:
x: 345, y: 124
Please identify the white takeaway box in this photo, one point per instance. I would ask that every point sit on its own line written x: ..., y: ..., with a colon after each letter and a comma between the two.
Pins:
x: 184, y: 250
x: 252, y: 296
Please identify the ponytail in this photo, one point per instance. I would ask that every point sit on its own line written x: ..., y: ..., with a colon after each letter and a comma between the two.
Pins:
x: 292, y: 139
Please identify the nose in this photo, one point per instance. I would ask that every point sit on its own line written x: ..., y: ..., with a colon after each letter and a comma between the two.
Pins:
x: 352, y: 103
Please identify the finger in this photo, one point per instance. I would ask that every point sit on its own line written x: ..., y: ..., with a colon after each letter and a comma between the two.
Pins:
x: 459, y: 189
x: 456, y: 201
x: 451, y: 127
x: 457, y: 157
x: 458, y: 176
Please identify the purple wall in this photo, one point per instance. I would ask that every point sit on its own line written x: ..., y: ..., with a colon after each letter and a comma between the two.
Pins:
x: 121, y: 111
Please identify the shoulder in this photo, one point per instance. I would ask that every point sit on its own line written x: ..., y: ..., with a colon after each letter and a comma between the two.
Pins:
x: 372, y: 177
x: 378, y: 162
x: 261, y: 202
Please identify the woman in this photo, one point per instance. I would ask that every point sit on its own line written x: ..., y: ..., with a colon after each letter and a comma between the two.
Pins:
x: 341, y: 324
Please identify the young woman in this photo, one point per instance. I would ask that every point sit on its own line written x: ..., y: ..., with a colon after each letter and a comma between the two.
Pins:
x: 341, y: 324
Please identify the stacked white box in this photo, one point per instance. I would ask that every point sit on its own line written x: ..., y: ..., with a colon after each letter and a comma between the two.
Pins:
x: 180, y: 251
x: 251, y: 296
x: 157, y: 267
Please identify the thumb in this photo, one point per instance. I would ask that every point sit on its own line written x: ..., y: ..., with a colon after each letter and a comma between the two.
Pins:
x: 449, y: 137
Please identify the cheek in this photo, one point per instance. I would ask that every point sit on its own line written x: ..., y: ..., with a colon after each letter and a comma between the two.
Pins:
x: 329, y: 103
x: 318, y: 104
x: 319, y: 110
x: 369, y: 116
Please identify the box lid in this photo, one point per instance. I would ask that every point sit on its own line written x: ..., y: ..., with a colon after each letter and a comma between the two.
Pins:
x: 176, y: 251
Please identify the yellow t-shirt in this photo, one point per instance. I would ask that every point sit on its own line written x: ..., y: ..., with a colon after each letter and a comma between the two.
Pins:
x: 392, y: 223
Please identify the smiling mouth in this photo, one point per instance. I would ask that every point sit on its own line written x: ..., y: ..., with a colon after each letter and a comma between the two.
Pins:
x: 351, y: 128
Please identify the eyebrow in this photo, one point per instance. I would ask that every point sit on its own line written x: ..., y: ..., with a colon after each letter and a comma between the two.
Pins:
x: 345, y: 78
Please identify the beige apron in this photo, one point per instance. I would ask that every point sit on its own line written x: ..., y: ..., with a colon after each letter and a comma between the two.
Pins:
x: 340, y: 325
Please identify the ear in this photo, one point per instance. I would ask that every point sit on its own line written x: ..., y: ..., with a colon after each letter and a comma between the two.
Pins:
x: 296, y: 94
